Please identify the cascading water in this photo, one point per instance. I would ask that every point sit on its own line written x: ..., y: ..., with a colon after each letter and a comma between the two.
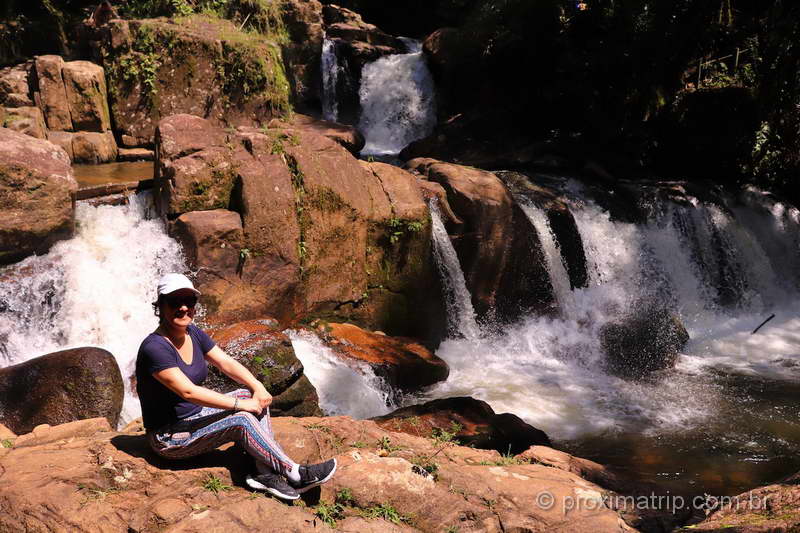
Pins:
x: 330, y: 77
x: 92, y: 290
x: 343, y: 389
x: 460, y: 313
x: 397, y: 101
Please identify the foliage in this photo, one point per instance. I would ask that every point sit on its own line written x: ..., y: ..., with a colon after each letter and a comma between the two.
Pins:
x: 329, y: 513
x: 214, y: 484
x: 398, y: 228
x: 442, y: 436
x: 387, y: 512
x: 385, y: 443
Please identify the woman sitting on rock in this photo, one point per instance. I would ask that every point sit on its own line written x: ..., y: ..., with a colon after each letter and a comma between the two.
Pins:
x: 183, y: 419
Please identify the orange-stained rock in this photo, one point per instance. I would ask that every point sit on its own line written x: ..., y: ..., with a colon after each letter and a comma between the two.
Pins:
x: 110, y: 481
x: 52, y: 93
x: 402, y: 362
x: 347, y: 136
x: 471, y: 422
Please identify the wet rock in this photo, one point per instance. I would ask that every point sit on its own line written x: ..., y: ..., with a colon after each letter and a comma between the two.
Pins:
x: 497, y: 246
x: 303, y: 20
x: 211, y: 241
x: 85, y: 84
x: 27, y: 120
x: 36, y: 188
x: 52, y: 94
x: 92, y: 147
x: 646, y: 341
x: 111, y: 478
x: 135, y: 154
x: 401, y: 362
x: 61, y: 387
x: 471, y: 422
x: 267, y: 352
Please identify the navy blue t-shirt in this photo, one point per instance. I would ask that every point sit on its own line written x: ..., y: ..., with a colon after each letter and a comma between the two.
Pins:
x: 161, y: 406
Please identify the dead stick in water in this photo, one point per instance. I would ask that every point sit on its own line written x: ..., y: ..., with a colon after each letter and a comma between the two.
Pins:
x: 770, y: 317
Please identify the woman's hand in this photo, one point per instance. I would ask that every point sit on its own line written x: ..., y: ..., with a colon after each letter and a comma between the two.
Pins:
x: 263, y: 397
x: 251, y: 405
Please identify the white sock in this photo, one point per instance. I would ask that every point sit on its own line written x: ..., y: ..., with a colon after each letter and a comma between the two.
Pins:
x: 294, y: 473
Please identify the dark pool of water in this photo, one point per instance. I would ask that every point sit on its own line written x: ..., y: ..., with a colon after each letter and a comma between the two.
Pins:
x: 91, y: 175
x: 754, y: 440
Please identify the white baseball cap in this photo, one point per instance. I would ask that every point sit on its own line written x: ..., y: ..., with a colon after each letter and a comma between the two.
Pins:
x: 173, y: 282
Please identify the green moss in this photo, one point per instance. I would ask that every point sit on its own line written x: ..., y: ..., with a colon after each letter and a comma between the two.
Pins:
x: 207, y: 194
x: 326, y: 200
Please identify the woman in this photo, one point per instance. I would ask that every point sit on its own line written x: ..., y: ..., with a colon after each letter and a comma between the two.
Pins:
x: 183, y: 419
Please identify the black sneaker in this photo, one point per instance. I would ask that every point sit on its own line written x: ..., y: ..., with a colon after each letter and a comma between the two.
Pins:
x: 274, y: 484
x: 313, y: 475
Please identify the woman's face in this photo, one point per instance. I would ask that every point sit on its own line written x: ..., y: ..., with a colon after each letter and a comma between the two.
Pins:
x: 177, y: 309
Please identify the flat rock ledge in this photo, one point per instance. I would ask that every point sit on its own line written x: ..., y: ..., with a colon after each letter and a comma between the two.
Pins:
x: 82, y: 476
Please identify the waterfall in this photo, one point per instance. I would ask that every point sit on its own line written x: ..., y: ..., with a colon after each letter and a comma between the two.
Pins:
x: 343, y: 389
x: 460, y: 313
x: 397, y: 101
x: 330, y: 77
x: 95, y: 289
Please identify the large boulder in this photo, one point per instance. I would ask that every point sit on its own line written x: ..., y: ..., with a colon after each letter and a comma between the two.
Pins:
x: 321, y: 233
x: 94, y: 147
x: 36, y: 189
x: 204, y: 66
x: 61, y: 387
x: 645, y: 341
x: 87, y: 96
x: 267, y: 352
x: 347, y: 136
x: 72, y: 478
x: 27, y: 120
x: 15, y: 90
x: 52, y: 95
x: 497, y: 247
x: 468, y: 421
x: 402, y: 363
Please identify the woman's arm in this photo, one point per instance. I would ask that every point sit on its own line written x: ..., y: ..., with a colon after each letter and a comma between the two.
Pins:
x: 176, y: 381
x: 237, y: 372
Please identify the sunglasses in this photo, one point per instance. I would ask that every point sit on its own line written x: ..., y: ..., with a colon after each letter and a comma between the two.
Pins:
x: 178, y: 301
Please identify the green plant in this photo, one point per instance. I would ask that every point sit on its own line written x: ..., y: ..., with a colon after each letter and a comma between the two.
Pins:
x: 318, y: 427
x: 386, y: 512
x: 426, y: 464
x: 441, y: 436
x: 358, y: 444
x: 214, y: 484
x: 452, y: 529
x: 345, y: 496
x: 329, y: 513
x: 7, y: 443
x: 385, y: 443
x: 398, y: 227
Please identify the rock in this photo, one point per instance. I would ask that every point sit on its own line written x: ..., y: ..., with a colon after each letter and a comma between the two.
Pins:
x: 87, y: 96
x: 6, y: 434
x: 347, y: 136
x: 588, y: 470
x: 402, y: 363
x: 497, y: 247
x: 61, y: 387
x: 303, y: 20
x: 36, y: 188
x: 46, y: 434
x: 267, y: 352
x: 321, y: 234
x: 62, y: 139
x: 27, y: 120
x: 562, y: 223
x: 211, y: 70
x: 112, y: 479
x: 52, y: 92
x: 91, y: 147
x: 14, y: 86
x: 434, y: 191
x: 135, y: 154
x: 646, y: 341
x: 472, y: 423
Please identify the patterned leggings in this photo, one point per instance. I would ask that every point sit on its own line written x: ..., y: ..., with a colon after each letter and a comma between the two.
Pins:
x: 211, y: 428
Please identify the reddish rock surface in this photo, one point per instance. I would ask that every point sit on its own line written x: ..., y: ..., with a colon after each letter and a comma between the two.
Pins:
x: 52, y: 94
x: 93, y: 147
x: 471, y: 422
x: 87, y: 96
x: 81, y: 476
x: 403, y: 363
x: 27, y: 120
x: 36, y: 188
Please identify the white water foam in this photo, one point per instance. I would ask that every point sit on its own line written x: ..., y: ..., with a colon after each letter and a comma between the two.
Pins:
x: 344, y: 388
x: 397, y: 101
x: 460, y: 313
x: 92, y: 290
